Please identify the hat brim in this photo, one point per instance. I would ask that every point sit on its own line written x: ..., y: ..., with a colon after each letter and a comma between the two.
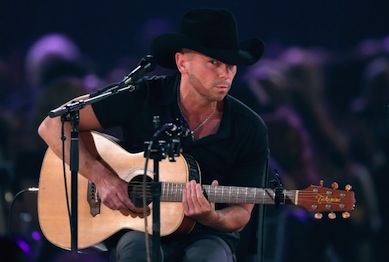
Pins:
x: 164, y: 47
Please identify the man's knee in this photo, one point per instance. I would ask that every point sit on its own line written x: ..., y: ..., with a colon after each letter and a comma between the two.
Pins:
x: 131, y: 246
x: 209, y: 249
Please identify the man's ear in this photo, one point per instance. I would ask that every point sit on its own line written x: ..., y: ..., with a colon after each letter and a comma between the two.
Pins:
x: 180, y: 62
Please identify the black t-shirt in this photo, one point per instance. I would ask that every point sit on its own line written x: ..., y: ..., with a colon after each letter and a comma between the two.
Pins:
x: 236, y: 155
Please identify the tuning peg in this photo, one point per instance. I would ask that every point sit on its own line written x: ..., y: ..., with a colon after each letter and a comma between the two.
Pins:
x: 318, y: 215
x: 346, y: 215
x: 348, y: 187
x: 332, y: 215
x: 335, y: 185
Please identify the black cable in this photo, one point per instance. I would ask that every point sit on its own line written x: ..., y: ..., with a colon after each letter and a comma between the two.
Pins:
x: 145, y: 200
x: 63, y: 139
x: 28, y: 190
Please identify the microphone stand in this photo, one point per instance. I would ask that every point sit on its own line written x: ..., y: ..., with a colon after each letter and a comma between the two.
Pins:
x: 146, y: 64
x: 164, y: 149
x: 74, y: 120
x: 156, y: 188
x: 72, y: 110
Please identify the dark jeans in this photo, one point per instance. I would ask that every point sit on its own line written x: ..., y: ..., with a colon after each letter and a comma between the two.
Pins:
x: 131, y: 247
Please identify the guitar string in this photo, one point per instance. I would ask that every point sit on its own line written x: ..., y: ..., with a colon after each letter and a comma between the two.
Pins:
x: 245, y: 195
x: 300, y: 192
x: 290, y: 194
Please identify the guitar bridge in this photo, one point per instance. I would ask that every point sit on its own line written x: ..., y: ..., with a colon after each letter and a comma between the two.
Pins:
x: 93, y: 199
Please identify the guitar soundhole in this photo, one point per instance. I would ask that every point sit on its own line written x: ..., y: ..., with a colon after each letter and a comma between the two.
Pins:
x: 135, y: 191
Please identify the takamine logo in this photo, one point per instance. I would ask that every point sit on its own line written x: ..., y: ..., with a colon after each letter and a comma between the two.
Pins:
x: 327, y: 199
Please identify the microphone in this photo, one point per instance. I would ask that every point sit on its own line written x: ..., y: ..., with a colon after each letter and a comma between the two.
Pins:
x: 146, y: 64
x: 177, y: 129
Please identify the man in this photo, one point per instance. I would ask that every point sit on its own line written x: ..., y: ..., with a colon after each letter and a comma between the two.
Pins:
x: 228, y: 140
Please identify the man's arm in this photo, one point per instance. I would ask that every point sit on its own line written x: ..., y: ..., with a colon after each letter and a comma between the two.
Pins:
x: 112, y: 190
x: 197, y: 207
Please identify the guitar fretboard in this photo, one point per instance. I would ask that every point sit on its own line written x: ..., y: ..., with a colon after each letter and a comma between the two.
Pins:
x: 172, y: 192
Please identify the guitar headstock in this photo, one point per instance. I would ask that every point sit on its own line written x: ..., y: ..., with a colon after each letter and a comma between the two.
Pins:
x: 318, y: 199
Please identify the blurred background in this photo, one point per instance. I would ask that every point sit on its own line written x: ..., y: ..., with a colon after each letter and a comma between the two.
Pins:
x: 322, y: 87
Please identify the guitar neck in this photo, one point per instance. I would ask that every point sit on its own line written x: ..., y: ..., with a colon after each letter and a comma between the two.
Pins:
x: 172, y: 192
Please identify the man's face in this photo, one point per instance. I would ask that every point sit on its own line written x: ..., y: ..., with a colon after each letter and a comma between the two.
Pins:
x: 209, y: 77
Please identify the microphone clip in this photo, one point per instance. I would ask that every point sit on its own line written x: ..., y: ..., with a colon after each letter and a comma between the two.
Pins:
x: 146, y: 64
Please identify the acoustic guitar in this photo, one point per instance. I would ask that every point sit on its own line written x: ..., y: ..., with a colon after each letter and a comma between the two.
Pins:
x: 96, y: 222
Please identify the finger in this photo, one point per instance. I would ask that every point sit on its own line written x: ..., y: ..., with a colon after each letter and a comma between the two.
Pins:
x: 193, y: 193
x: 202, y: 199
x: 122, y: 199
x: 200, y: 194
x: 187, y: 198
x: 198, y: 197
x: 115, y: 199
x: 125, y: 202
x: 111, y: 203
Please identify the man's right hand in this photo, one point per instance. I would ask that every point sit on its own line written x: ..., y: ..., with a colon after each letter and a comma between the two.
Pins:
x: 113, y: 192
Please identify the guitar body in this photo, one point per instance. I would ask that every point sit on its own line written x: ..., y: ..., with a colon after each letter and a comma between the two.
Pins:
x: 52, y: 203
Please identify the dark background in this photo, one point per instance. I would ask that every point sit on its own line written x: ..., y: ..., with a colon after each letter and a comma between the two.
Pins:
x: 106, y: 30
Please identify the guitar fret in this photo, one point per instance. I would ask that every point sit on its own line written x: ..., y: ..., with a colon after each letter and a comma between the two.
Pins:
x: 178, y: 192
x: 216, y: 195
x: 165, y: 193
x: 245, y: 196
x: 168, y: 195
x: 173, y: 191
x: 237, y: 195
x: 229, y: 194
x: 222, y: 194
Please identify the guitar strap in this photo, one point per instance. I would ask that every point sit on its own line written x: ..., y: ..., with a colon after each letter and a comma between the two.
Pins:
x: 194, y: 171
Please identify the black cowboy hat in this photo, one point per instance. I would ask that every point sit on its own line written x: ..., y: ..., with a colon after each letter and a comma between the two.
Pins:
x: 212, y: 32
